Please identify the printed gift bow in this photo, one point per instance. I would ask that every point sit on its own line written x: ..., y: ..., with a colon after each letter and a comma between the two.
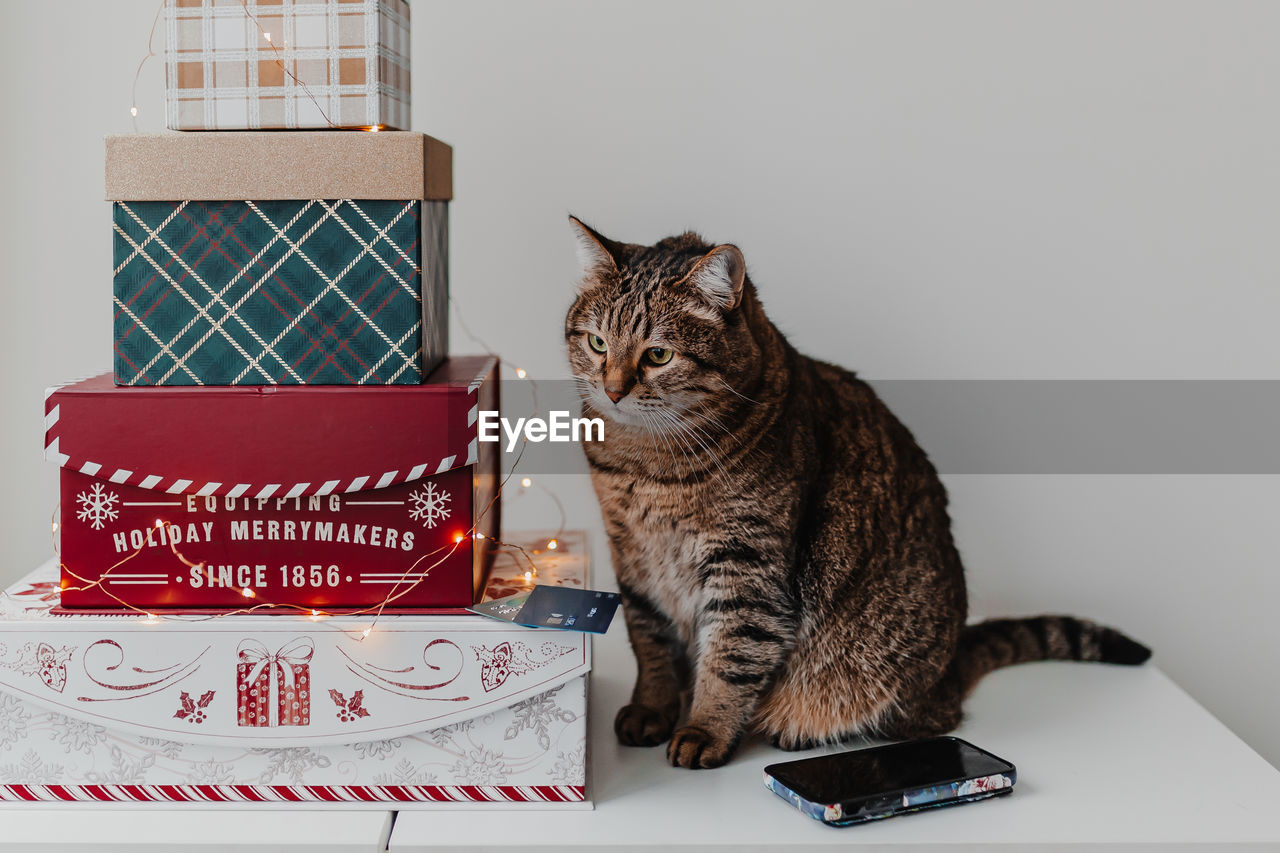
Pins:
x: 287, y: 672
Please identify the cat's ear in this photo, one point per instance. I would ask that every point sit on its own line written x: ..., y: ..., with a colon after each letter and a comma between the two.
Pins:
x: 597, y: 253
x: 719, y: 276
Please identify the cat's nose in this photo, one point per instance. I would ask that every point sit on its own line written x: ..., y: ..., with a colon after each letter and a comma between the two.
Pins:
x: 615, y: 394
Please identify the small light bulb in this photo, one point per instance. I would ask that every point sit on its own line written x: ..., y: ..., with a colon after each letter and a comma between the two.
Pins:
x: 528, y: 576
x: 457, y: 540
x: 133, y: 111
x: 267, y: 36
x: 315, y: 616
x: 159, y: 523
x: 365, y: 632
x: 521, y: 373
x: 478, y: 535
x: 552, y: 544
x: 526, y: 482
x: 248, y: 593
x: 55, y: 527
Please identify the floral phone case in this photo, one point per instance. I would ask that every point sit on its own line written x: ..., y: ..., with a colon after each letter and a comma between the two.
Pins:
x: 904, y: 801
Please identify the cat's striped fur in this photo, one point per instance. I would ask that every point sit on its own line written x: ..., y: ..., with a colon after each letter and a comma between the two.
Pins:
x: 781, y: 543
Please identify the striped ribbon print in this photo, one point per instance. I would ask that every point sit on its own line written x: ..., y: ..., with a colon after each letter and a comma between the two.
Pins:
x: 172, y: 485
x: 295, y: 793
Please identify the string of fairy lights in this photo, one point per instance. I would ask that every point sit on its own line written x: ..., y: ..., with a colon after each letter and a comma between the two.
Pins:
x: 413, y: 575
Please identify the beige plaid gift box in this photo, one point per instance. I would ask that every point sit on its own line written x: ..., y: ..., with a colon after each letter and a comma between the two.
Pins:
x: 269, y: 64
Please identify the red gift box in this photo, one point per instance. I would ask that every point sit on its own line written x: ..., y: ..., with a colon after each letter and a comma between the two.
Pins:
x: 274, y: 688
x: 314, y: 496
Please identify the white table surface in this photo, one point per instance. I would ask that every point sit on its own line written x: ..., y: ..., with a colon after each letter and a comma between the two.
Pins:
x: 1107, y: 757
x: 56, y: 828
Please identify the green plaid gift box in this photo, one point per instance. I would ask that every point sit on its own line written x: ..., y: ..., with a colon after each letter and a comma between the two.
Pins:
x: 288, y: 292
x: 335, y: 272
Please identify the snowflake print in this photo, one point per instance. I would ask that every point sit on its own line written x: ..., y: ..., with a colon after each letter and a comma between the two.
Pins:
x: 77, y: 735
x: 480, y: 766
x: 97, y: 506
x: 290, y: 762
x: 125, y: 769
x: 160, y: 746
x: 211, y: 772
x: 32, y: 771
x: 13, y: 720
x: 444, y: 736
x: 376, y: 750
x: 406, y: 773
x: 430, y: 505
x: 538, y: 714
x: 569, y: 767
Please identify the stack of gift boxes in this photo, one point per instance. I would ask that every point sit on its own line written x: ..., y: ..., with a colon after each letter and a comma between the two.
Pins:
x: 280, y: 485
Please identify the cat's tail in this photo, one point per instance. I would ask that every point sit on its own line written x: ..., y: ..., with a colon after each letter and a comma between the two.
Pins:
x: 1003, y: 642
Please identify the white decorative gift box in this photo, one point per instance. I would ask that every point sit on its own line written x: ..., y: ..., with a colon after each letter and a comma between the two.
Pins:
x: 274, y: 64
x: 270, y: 709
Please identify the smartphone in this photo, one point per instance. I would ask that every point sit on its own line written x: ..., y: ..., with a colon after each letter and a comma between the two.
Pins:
x: 872, y: 784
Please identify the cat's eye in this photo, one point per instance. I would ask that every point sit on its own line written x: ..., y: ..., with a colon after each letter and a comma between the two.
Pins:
x: 659, y: 355
x: 597, y: 343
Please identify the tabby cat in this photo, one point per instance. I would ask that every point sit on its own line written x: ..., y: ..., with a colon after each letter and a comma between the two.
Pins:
x: 781, y: 543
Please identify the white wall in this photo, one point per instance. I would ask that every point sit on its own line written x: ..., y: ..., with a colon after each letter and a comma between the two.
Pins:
x: 1067, y: 189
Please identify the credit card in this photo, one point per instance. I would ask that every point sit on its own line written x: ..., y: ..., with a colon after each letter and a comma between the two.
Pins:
x: 502, y: 608
x: 560, y: 607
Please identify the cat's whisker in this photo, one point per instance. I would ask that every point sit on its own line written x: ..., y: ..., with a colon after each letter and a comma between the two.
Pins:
x: 653, y: 438
x: 656, y: 417
x: 685, y: 448
x: 697, y: 432
x: 707, y: 417
x: 733, y: 390
x: 683, y: 428
x: 651, y: 426
x: 681, y: 445
x: 694, y: 420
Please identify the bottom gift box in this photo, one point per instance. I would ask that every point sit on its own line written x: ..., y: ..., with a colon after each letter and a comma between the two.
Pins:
x: 248, y: 709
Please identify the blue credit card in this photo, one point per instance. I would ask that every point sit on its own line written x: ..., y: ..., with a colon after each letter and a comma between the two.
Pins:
x: 555, y: 607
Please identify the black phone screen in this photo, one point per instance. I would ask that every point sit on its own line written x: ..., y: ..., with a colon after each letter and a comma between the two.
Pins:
x: 849, y: 775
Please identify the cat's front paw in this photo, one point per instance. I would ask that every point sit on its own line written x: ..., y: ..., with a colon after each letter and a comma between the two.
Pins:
x: 697, y: 749
x: 639, y: 725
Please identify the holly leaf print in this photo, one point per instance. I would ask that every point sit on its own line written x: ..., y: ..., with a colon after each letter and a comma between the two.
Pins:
x: 188, y: 706
x: 205, y: 699
x: 349, y: 709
